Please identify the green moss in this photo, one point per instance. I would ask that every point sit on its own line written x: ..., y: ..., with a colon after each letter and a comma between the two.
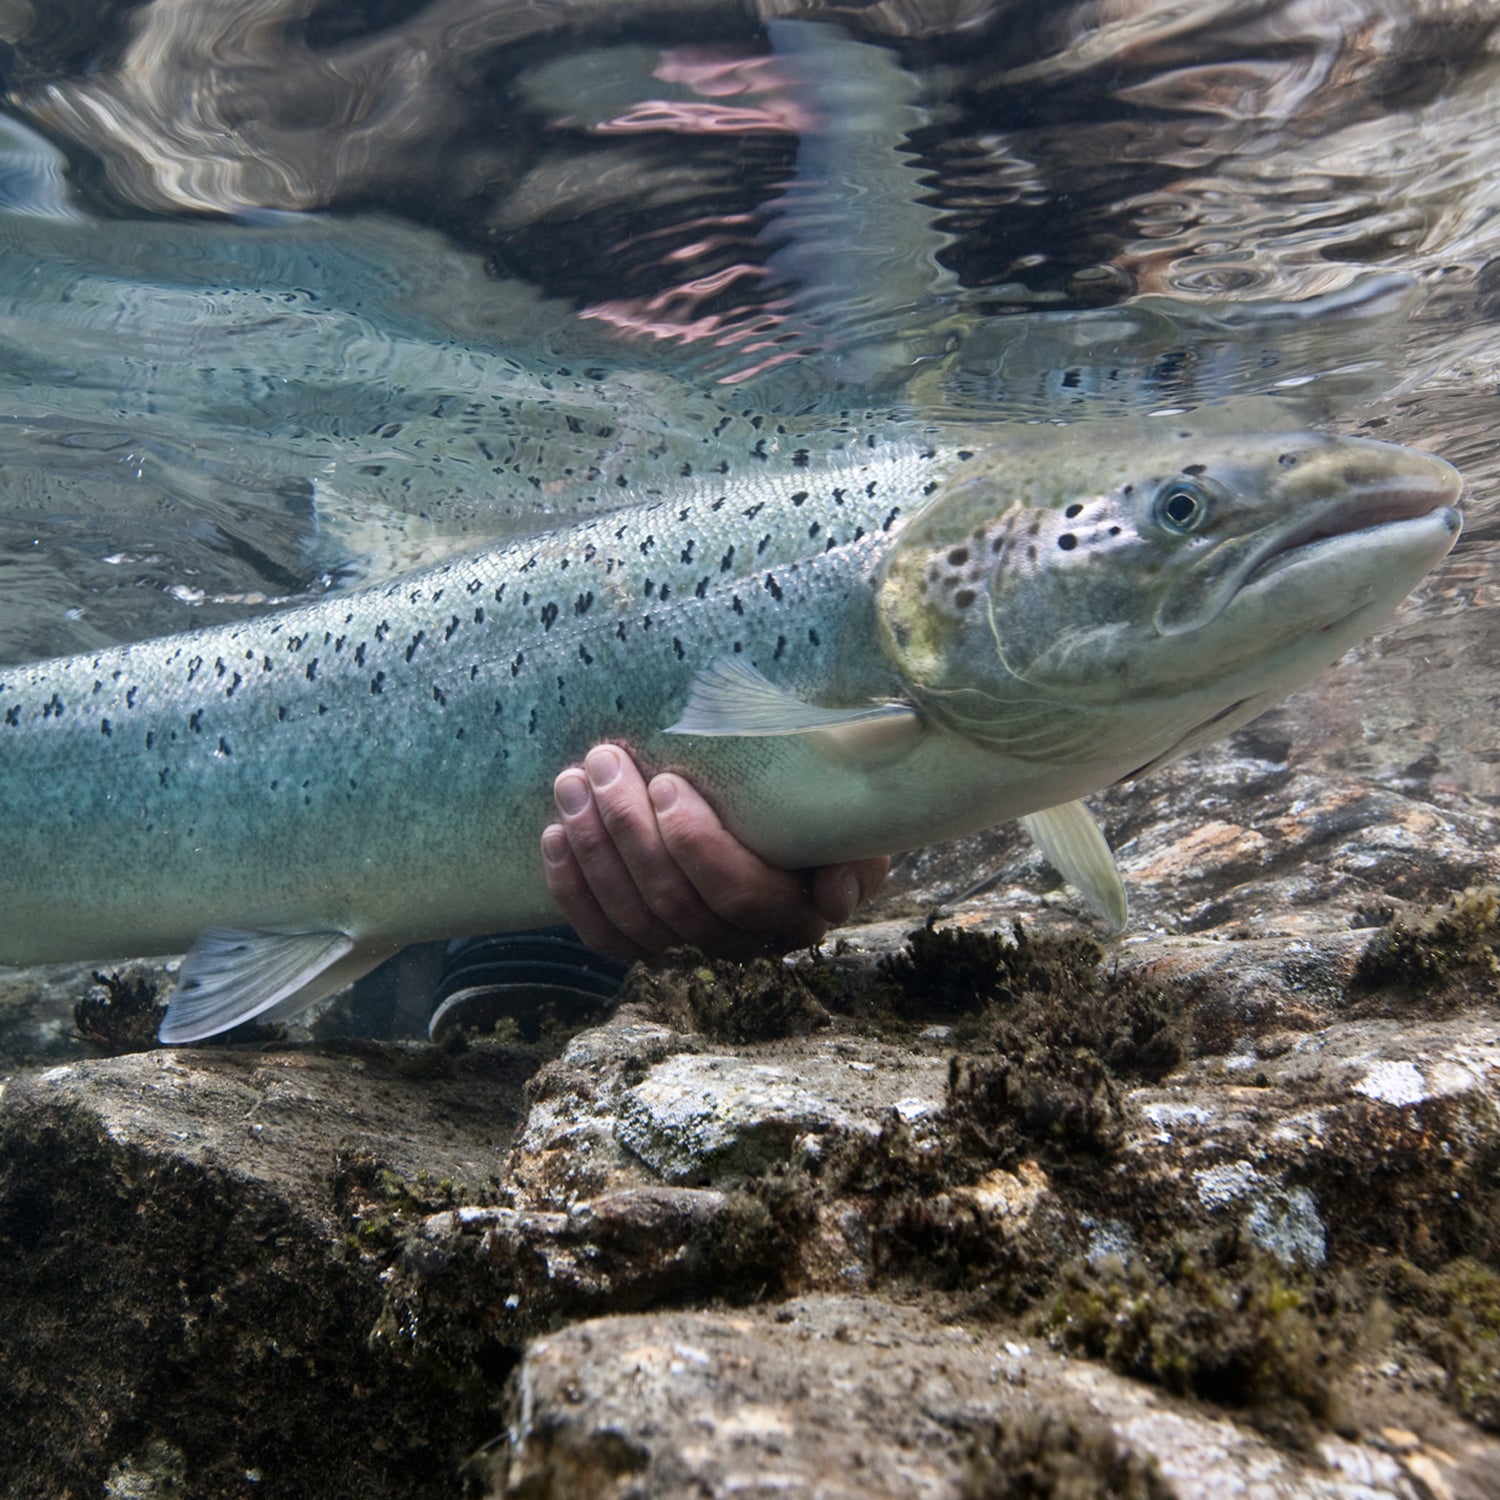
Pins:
x: 1035, y: 998
x: 122, y: 1015
x: 729, y: 1002
x: 1446, y: 954
x: 1040, y: 1456
x: 1234, y: 1329
x: 1453, y: 1315
x: 948, y: 972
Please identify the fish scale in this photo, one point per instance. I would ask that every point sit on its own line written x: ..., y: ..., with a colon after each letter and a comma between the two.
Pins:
x: 847, y: 657
x: 411, y: 732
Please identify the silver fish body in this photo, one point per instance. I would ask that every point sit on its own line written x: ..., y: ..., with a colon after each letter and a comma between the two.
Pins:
x: 858, y: 657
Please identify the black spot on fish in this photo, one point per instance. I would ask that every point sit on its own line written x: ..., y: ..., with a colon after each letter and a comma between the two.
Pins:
x: 687, y: 552
x: 958, y: 557
x: 780, y: 650
x: 965, y: 454
x: 195, y: 721
x: 312, y: 669
x: 416, y: 641
x: 162, y: 775
x: 1288, y: 460
x: 193, y: 667
x: 450, y: 627
x: 764, y: 542
x: 223, y: 747
x: 531, y: 723
x: 13, y: 716
x: 377, y: 683
x: 813, y: 639
x: 359, y: 654
x: 104, y: 729
x: 964, y: 598
x: 890, y: 520
x: 584, y: 602
x: 772, y: 587
x: 518, y: 663
x: 439, y: 696
x: 584, y: 657
x: 281, y: 713
x: 701, y: 589
x: 479, y: 615
x: 549, y: 614
x: 814, y: 529
x: 800, y: 498
x: 1073, y: 510
x: 1067, y: 541
x: 736, y: 606
x: 1195, y: 469
x: 728, y: 560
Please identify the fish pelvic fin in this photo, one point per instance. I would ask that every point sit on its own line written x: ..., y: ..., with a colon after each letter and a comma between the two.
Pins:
x: 1076, y: 848
x: 232, y: 975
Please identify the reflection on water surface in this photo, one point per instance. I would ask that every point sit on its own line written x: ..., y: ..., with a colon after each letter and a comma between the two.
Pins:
x: 295, y: 294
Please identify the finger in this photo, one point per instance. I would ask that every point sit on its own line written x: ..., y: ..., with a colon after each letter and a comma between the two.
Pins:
x: 607, y: 877
x: 840, y: 890
x: 570, y: 890
x: 769, y: 908
x: 659, y: 885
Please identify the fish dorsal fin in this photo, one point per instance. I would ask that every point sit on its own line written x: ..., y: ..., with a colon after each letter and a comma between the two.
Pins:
x: 1079, y: 852
x: 231, y: 975
x: 729, y: 697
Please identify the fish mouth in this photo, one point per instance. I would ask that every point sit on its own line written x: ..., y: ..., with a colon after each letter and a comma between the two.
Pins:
x: 1427, y: 501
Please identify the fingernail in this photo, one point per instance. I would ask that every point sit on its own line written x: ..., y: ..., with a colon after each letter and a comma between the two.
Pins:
x: 554, y: 844
x: 849, y: 890
x: 602, y: 764
x: 663, y: 794
x: 571, y: 793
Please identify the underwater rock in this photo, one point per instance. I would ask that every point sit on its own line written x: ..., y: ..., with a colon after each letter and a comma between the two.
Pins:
x: 858, y: 1398
x: 984, y: 1199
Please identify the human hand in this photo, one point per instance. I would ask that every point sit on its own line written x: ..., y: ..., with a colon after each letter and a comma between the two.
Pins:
x: 640, y: 868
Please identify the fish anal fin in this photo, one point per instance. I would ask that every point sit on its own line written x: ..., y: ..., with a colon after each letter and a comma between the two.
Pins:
x: 729, y: 698
x: 1076, y: 848
x: 232, y: 975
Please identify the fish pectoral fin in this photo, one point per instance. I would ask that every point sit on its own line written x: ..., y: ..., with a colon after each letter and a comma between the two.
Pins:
x: 729, y: 697
x: 1074, y: 846
x: 231, y: 975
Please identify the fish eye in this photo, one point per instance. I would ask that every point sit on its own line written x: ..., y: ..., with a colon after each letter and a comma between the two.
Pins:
x: 1181, y: 506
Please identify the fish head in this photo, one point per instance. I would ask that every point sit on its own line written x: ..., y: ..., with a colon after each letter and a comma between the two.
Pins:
x: 1154, y: 590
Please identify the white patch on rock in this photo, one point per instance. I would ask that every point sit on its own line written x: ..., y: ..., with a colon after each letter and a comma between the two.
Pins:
x: 1218, y: 1187
x: 1393, y: 1083
x: 1287, y: 1225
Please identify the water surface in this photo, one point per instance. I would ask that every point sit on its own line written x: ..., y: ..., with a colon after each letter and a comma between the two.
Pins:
x: 296, y: 294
